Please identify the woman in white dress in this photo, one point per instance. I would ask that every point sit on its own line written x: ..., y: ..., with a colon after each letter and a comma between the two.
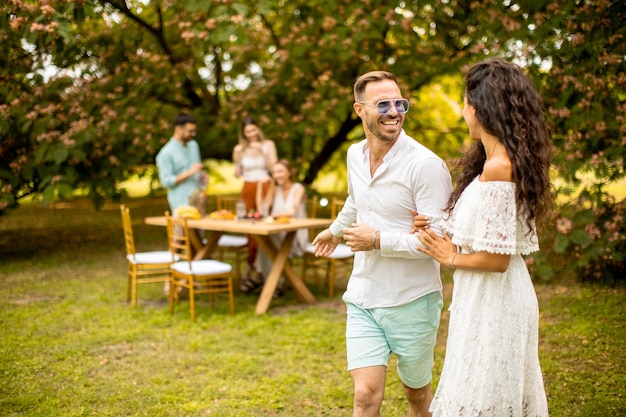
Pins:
x: 285, y: 198
x: 491, y: 368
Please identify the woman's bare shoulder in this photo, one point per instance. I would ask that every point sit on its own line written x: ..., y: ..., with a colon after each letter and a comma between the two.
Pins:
x: 497, y: 169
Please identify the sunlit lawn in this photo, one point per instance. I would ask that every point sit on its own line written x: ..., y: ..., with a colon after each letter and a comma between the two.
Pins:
x: 72, y: 345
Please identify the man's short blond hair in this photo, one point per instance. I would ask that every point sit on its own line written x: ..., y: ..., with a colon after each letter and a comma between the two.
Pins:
x: 372, y: 76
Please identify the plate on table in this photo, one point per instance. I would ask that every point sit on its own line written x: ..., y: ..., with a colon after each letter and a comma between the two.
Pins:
x: 222, y: 215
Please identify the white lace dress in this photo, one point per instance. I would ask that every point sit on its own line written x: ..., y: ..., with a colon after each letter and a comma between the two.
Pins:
x: 491, y: 368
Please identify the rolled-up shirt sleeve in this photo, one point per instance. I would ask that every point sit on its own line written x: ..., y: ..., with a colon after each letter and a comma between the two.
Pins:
x: 167, y: 173
x: 431, y: 192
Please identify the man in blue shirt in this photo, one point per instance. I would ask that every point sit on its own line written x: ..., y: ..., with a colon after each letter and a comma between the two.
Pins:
x: 178, y: 162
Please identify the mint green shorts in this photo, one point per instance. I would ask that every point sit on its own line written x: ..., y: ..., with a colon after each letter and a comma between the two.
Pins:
x: 408, y: 331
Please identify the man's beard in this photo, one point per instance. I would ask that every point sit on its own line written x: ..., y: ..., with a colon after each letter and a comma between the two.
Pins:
x: 375, y: 128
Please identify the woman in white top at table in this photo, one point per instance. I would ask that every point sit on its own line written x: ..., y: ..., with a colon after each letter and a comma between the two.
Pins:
x: 284, y: 198
x: 253, y: 157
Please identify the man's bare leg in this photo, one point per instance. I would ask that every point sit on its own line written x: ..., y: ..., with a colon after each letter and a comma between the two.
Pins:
x: 369, y: 387
x: 419, y: 400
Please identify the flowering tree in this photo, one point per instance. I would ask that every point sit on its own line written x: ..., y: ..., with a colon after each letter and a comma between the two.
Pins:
x: 89, y: 87
x: 93, y: 84
x: 584, y: 87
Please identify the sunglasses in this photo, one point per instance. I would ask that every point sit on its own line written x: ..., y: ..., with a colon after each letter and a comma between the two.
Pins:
x: 384, y: 106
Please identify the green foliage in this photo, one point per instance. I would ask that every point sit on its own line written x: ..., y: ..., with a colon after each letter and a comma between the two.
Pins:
x: 122, y: 70
x: 577, y: 55
x: 595, y: 239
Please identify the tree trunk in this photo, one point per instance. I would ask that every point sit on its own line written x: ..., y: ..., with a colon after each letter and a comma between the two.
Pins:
x: 331, y: 145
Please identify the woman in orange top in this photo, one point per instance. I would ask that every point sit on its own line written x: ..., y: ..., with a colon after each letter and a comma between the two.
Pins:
x: 254, y: 158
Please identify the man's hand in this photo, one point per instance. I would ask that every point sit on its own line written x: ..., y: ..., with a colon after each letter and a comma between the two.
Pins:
x: 359, y: 237
x: 325, y: 243
x: 195, y: 168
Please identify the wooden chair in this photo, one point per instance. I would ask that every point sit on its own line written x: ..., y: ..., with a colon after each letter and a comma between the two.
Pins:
x: 143, y: 267
x: 207, y: 276
x: 311, y: 206
x: 231, y: 248
x: 340, y: 261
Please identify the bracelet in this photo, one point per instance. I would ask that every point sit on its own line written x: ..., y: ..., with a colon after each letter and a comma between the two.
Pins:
x: 452, y: 263
x: 374, y: 240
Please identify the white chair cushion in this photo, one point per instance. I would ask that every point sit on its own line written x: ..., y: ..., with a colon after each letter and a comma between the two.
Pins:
x: 342, y: 251
x: 309, y: 248
x: 202, y: 267
x: 232, y: 241
x: 156, y: 257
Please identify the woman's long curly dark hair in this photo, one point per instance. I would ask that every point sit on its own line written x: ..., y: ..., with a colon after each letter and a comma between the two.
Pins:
x: 508, y: 107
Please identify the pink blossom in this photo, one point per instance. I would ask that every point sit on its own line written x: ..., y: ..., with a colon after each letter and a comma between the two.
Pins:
x: 577, y: 39
x: 329, y: 23
x: 563, y: 225
x: 113, y: 160
x: 47, y: 10
x: 593, y: 231
x: 35, y: 27
x: 187, y: 35
x: 237, y: 19
x: 16, y: 22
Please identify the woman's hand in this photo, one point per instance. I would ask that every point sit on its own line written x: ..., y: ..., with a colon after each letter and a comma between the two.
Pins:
x: 439, y: 248
x: 420, y: 222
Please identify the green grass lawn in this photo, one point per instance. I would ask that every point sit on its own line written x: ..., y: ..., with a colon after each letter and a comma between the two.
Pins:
x: 72, y: 345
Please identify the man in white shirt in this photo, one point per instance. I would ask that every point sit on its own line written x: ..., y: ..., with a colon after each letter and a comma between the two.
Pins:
x: 393, y: 297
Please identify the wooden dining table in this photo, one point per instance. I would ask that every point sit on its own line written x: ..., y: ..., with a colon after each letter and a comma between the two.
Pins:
x: 261, y: 230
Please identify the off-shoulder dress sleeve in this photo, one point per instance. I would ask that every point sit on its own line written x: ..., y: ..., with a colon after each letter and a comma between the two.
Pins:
x: 488, y: 220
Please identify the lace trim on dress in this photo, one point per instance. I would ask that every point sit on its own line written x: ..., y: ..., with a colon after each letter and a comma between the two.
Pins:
x: 485, y: 218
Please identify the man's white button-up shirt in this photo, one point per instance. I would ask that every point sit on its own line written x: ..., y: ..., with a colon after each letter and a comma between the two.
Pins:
x: 411, y: 177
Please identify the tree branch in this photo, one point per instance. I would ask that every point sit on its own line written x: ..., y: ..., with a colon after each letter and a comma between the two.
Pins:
x: 271, y: 29
x: 218, y: 77
x: 156, y: 32
x: 159, y: 35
